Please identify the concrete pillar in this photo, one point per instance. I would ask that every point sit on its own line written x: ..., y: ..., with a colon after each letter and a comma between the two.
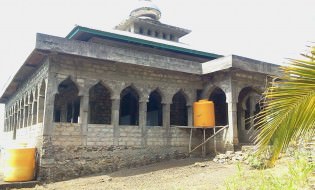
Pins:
x: 21, y: 116
x: 232, y: 136
x: 190, y: 116
x: 5, y: 122
x: 40, y: 108
x: 84, y: 114
x: 25, y: 112
x: 11, y: 121
x: 32, y: 113
x: 25, y: 115
x: 166, y: 109
x: 115, y: 120
x: 17, y: 125
x: 143, y: 120
x: 29, y: 114
x: 15, y: 119
x: 49, y: 108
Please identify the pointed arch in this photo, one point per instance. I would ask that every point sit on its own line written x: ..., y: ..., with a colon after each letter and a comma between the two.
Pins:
x: 248, y: 106
x: 179, y: 112
x: 67, y: 102
x: 154, y: 109
x: 100, y: 104
x: 129, y: 106
x: 218, y: 97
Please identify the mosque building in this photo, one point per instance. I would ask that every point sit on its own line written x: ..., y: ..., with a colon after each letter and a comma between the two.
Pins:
x: 96, y: 101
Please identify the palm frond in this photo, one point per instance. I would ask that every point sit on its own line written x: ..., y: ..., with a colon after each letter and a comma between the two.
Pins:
x: 289, y: 108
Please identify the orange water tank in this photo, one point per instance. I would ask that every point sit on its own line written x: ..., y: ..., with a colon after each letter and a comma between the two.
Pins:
x: 204, y: 114
x: 19, y: 164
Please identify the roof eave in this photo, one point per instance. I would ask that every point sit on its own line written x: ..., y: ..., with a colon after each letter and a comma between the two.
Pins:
x: 28, y: 67
x: 162, y: 46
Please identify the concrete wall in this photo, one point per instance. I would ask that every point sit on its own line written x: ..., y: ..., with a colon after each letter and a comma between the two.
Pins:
x: 66, y: 155
x: 76, y: 149
x: 26, y: 127
x: 69, y: 150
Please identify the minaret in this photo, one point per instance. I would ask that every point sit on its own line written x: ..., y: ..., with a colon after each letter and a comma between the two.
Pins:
x: 144, y: 20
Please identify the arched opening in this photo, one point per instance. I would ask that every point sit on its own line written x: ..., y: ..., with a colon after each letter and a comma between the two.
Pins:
x: 154, y: 109
x: 220, y: 107
x: 129, y: 107
x: 67, y: 103
x: 41, y: 102
x: 100, y: 105
x: 179, y: 115
x: 248, y: 106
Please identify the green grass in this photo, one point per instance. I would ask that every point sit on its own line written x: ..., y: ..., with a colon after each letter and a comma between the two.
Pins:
x: 291, y: 175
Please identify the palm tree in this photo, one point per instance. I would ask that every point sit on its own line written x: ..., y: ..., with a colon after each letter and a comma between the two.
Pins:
x: 288, y: 112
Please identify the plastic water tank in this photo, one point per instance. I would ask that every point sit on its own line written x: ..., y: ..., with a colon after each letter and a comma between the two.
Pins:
x: 204, y: 114
x: 19, y: 164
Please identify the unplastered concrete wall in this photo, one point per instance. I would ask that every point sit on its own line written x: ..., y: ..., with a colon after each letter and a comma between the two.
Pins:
x: 73, y: 150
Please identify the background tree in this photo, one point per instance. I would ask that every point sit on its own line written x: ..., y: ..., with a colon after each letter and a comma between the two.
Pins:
x: 288, y: 108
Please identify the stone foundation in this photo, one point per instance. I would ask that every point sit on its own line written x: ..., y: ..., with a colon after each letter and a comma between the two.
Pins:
x: 61, y: 163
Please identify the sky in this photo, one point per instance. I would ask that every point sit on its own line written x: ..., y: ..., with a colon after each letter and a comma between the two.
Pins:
x: 267, y: 30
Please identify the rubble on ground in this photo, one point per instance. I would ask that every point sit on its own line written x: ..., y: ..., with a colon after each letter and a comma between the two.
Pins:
x: 231, y: 157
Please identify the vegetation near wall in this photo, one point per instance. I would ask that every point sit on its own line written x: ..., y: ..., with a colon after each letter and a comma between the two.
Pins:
x: 288, y: 112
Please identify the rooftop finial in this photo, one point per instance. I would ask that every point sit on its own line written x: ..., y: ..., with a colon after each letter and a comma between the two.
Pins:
x: 146, y: 8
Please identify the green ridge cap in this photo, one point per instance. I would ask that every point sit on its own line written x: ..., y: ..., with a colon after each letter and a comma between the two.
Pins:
x: 120, y: 37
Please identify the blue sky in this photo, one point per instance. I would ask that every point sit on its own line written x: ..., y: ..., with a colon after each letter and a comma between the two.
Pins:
x: 268, y: 30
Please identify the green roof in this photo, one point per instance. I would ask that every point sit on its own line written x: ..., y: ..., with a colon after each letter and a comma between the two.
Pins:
x: 83, y: 34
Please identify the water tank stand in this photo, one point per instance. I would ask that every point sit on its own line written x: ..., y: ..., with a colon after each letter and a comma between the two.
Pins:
x: 216, y: 131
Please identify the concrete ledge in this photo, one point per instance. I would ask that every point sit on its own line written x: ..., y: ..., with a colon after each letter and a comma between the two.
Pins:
x: 242, y: 63
x: 49, y: 43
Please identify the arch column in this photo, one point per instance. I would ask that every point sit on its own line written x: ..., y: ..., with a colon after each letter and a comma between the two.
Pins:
x: 191, y: 99
x: 189, y: 116
x: 166, y: 119
x: 14, y: 122
x: 84, y: 114
x: 30, y: 113
x: 143, y: 120
x: 49, y: 105
x: 34, y: 112
x: 232, y: 133
x: 5, y: 122
x: 115, y: 119
x: 24, y: 122
x: 166, y: 108
x: 40, y: 106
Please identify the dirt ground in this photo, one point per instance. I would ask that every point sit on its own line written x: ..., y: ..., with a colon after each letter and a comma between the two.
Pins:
x: 183, y: 174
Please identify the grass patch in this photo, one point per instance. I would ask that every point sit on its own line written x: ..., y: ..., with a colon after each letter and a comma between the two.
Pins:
x: 291, y: 174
